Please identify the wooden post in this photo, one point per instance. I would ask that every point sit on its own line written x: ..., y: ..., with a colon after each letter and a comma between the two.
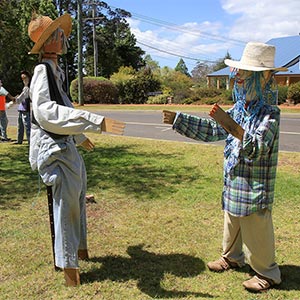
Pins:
x: 51, y: 220
x: 79, y: 44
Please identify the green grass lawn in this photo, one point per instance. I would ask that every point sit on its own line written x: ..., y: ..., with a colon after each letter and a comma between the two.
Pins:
x: 156, y: 222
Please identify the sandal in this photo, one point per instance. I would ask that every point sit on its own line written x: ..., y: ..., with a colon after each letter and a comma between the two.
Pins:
x: 257, y: 284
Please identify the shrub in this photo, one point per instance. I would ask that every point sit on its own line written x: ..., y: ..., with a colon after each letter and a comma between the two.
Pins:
x: 95, y: 90
x: 282, y: 94
x: 181, y: 94
x: 293, y: 92
x: 135, y: 89
x: 208, y: 92
x: 188, y: 101
x: 227, y: 95
x: 192, y: 99
x: 159, y: 99
x: 178, y: 84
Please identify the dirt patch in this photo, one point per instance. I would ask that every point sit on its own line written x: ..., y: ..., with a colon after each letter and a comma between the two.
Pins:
x: 292, y: 162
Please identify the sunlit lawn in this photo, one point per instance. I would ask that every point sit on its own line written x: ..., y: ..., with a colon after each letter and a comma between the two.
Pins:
x: 156, y: 222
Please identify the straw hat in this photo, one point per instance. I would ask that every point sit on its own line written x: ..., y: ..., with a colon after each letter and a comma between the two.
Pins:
x: 41, y: 28
x: 256, y: 57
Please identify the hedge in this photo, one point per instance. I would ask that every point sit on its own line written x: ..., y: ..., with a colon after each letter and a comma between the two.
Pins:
x: 96, y: 90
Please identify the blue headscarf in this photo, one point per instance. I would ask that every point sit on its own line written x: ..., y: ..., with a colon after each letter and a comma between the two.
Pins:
x: 245, y: 115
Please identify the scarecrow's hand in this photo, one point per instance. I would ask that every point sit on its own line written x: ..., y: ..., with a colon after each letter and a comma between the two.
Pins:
x: 112, y: 126
x: 213, y: 110
x: 168, y: 116
x: 87, y: 144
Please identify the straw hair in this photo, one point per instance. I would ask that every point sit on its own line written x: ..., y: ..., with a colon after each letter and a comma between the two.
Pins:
x: 41, y: 28
x: 256, y: 57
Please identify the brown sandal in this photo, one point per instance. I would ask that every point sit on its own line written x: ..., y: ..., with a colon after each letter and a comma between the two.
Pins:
x: 257, y: 284
x: 220, y: 265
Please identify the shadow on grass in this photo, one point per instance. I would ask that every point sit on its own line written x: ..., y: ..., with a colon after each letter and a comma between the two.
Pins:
x: 146, y: 176
x: 148, y: 269
x: 127, y: 168
x: 18, y: 182
x: 290, y: 278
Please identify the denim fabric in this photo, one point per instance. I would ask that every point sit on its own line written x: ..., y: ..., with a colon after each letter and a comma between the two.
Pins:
x: 61, y: 167
x: 3, y: 124
x: 23, y: 123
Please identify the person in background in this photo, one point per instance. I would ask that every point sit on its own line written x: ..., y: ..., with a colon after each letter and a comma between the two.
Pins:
x: 56, y: 130
x: 3, y: 117
x: 250, y: 162
x: 23, y: 100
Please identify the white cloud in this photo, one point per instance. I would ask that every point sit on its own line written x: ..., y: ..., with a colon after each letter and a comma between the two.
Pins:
x: 255, y: 20
x: 190, y: 39
x: 262, y: 20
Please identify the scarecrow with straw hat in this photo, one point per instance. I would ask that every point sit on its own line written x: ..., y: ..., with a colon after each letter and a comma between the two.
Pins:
x: 56, y: 130
x: 251, y: 132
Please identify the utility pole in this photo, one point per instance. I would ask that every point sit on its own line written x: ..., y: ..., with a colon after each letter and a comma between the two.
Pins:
x: 79, y: 40
x: 95, y: 45
x: 95, y: 41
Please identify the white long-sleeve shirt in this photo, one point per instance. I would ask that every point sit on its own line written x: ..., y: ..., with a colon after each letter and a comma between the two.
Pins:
x: 52, y: 117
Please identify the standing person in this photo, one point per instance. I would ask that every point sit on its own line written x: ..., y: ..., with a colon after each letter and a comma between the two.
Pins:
x: 56, y: 130
x: 250, y: 161
x: 3, y: 117
x: 24, y: 109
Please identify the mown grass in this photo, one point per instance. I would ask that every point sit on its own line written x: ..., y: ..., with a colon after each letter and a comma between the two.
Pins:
x: 156, y: 224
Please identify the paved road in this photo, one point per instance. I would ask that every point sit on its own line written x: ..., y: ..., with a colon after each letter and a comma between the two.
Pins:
x: 148, y: 124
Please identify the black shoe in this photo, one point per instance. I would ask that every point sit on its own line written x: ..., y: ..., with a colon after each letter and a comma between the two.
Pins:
x: 16, y: 143
x: 6, y: 140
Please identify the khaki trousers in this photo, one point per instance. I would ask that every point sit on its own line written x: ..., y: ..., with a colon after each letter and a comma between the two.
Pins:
x: 256, y: 233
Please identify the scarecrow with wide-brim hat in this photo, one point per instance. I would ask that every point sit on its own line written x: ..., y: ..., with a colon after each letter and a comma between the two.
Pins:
x: 42, y: 27
x: 56, y: 130
x: 251, y: 133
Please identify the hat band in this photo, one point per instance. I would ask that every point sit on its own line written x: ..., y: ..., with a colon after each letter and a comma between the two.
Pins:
x: 257, y: 62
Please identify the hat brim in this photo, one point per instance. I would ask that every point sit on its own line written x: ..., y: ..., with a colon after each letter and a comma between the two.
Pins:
x: 64, y: 22
x: 238, y: 65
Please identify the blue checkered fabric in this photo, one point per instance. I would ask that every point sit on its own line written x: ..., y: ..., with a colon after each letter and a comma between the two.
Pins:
x: 249, y: 183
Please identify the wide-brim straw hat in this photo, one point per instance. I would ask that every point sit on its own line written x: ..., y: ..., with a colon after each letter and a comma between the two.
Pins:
x: 41, y: 28
x: 256, y: 57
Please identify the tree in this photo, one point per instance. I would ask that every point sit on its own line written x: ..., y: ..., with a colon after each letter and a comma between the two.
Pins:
x: 152, y: 64
x: 219, y: 65
x: 135, y: 86
x: 178, y: 83
x: 200, y: 72
x: 116, y: 44
x: 14, y: 41
x: 182, y: 68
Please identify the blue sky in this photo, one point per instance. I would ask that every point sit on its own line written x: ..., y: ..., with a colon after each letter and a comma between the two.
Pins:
x: 204, y: 30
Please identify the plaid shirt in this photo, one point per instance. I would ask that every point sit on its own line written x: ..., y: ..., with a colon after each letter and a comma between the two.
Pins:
x: 249, y: 186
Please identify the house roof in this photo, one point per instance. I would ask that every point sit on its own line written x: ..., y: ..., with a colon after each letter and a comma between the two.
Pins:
x: 287, y: 50
x: 287, y: 55
x: 293, y: 70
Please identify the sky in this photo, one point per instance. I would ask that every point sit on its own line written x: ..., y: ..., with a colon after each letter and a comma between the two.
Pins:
x: 205, y: 30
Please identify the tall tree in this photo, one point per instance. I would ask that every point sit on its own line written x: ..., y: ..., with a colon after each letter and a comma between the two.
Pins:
x: 200, y: 72
x: 178, y: 83
x: 115, y: 43
x: 220, y: 63
x: 153, y: 65
x: 15, y: 44
x: 182, y: 68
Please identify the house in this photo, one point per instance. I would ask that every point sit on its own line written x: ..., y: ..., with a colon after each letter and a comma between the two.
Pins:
x: 287, y: 55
